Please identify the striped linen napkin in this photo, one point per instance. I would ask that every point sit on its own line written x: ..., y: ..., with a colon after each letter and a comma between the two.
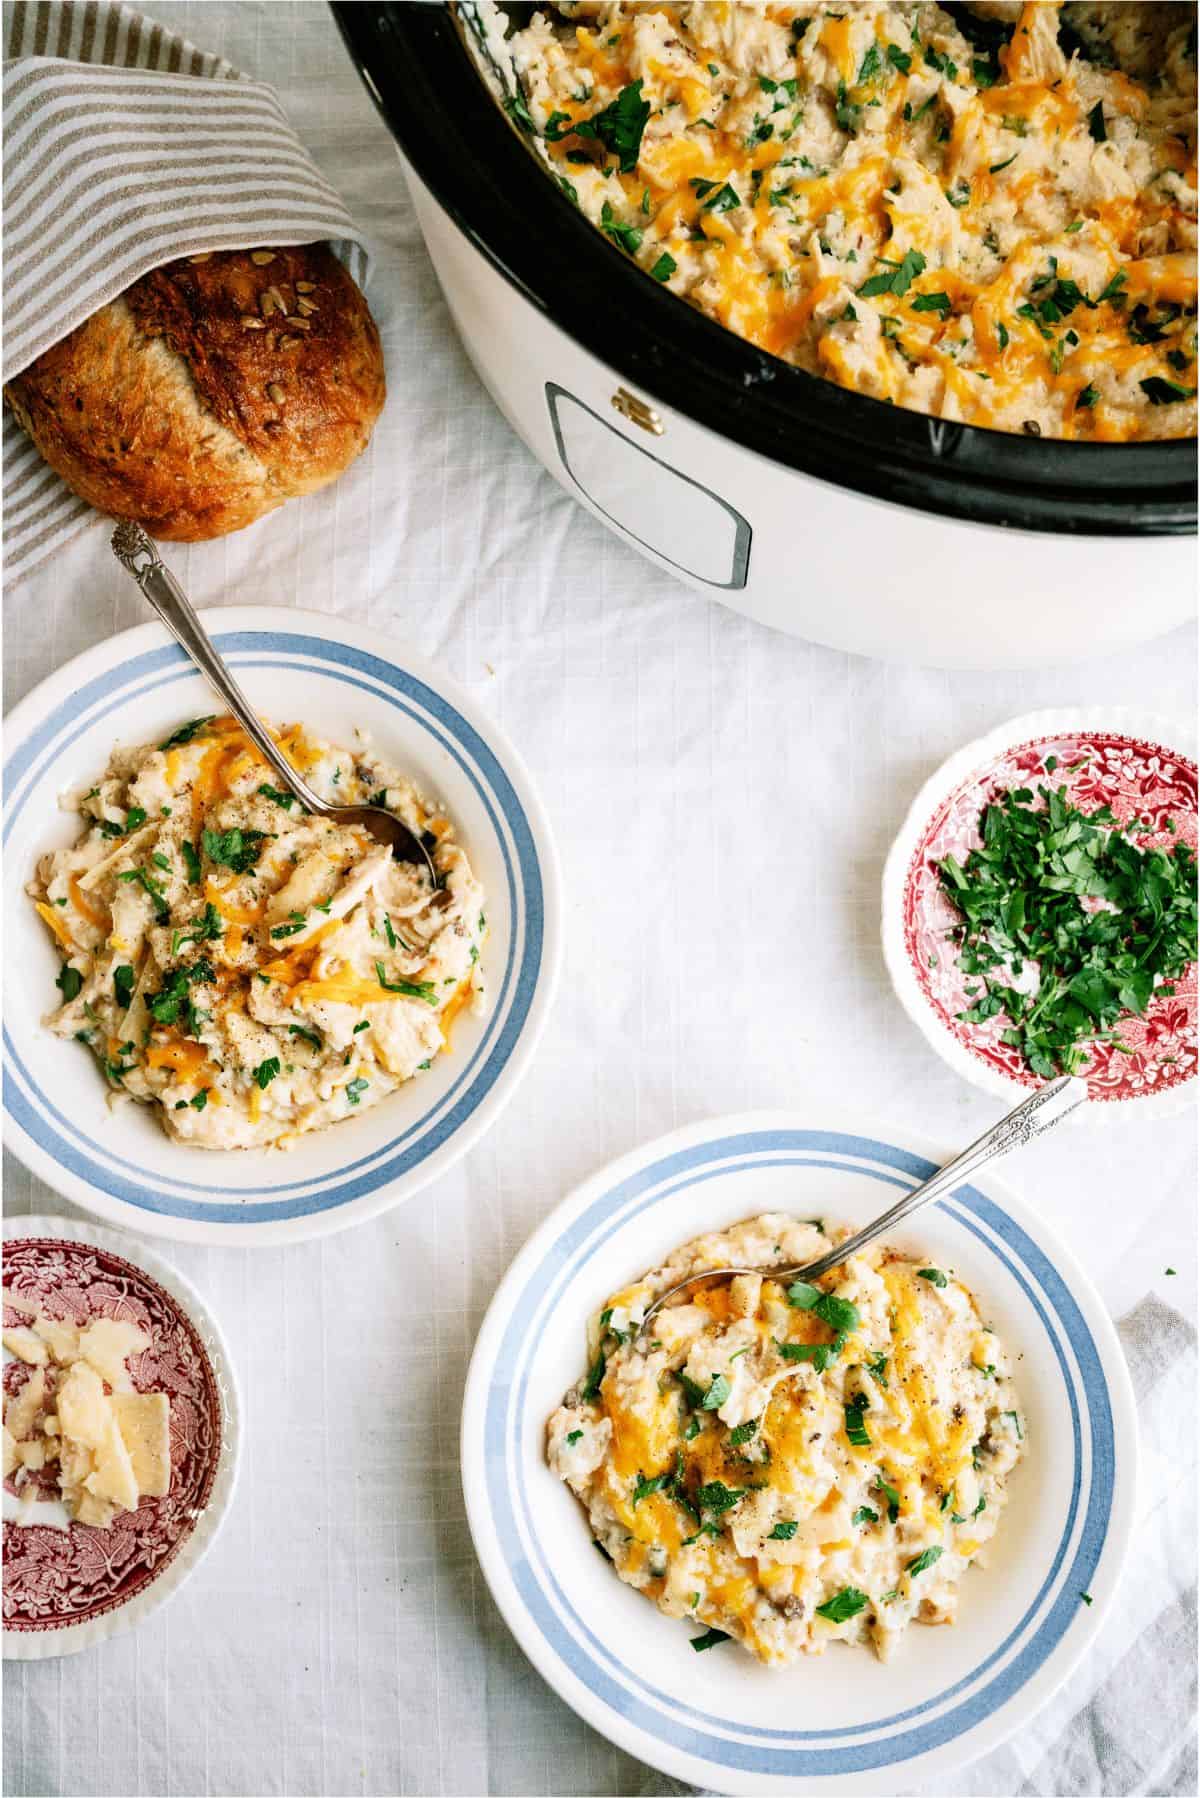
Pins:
x: 125, y: 147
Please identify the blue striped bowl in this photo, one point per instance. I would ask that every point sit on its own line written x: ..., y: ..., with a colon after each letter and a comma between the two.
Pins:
x: 337, y: 679
x: 842, y: 1721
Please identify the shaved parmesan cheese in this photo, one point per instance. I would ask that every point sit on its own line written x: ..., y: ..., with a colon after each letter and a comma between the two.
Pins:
x: 105, y: 1344
x: 112, y: 1443
x: 21, y: 1342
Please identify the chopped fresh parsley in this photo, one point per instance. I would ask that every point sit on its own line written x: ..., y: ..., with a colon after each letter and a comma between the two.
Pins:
x: 932, y: 302
x: 174, y: 998
x: 819, y: 1353
x: 123, y: 985
x: 718, y: 1498
x: 870, y: 65
x: 573, y: 1437
x: 236, y: 849
x: 1103, y: 920
x: 846, y: 112
x: 718, y: 199
x: 934, y: 1275
x: 877, y: 1368
x: 284, y: 799
x: 839, y: 1314
x: 308, y: 1036
x: 591, y: 1386
x: 643, y: 1488
x: 856, y: 1429
x: 191, y: 862
x: 664, y: 268
x: 892, y: 1496
x: 619, y: 126
x: 783, y: 1531
x: 899, y: 276
x: 843, y: 1605
x: 717, y: 1393
x: 865, y: 1514
x: 626, y: 237
x: 1164, y: 393
x: 199, y: 1100
x: 298, y: 922
x: 1086, y: 397
x: 142, y: 877
x: 412, y: 989
x: 266, y: 1071
x: 995, y: 167
x: 743, y: 1432
x: 925, y: 1559
x: 709, y: 1639
x: 940, y: 63
x: 517, y: 108
x: 69, y: 982
x: 186, y: 732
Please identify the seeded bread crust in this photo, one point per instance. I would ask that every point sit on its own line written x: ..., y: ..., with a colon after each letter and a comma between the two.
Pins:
x: 211, y: 391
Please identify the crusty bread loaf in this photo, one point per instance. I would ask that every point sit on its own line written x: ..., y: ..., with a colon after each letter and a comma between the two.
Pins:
x: 212, y: 390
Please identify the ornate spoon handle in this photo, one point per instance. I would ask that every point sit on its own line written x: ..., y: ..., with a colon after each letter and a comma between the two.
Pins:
x: 135, y: 551
x: 1039, y: 1112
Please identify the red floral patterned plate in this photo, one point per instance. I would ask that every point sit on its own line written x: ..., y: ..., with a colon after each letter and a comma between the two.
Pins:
x: 67, y: 1588
x: 1144, y: 768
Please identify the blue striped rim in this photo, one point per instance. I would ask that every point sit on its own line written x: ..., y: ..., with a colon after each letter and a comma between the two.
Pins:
x: 800, y: 1754
x: 33, y: 1109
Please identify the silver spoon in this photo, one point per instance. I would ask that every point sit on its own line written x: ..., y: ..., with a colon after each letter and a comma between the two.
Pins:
x: 134, y: 549
x: 1039, y: 1112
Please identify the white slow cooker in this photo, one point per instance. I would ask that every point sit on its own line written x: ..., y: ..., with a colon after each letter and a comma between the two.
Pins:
x: 814, y: 509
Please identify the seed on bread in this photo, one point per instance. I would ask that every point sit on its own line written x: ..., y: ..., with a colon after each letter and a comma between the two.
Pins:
x: 275, y: 392
x: 298, y: 324
x: 261, y: 257
x: 250, y: 323
x: 305, y: 306
x: 306, y: 287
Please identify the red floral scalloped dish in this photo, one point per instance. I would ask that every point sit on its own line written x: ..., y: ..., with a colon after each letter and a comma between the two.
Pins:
x: 1139, y: 780
x: 56, y: 1578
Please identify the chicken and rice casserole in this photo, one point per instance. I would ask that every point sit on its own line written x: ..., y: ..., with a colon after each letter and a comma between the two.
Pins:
x: 791, y: 1464
x: 252, y: 971
x: 988, y: 215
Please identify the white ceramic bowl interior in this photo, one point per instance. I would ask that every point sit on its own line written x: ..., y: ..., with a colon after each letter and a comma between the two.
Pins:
x: 843, y: 1720
x: 338, y: 680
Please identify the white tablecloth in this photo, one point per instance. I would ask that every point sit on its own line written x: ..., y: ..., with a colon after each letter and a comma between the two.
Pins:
x: 339, y: 1639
